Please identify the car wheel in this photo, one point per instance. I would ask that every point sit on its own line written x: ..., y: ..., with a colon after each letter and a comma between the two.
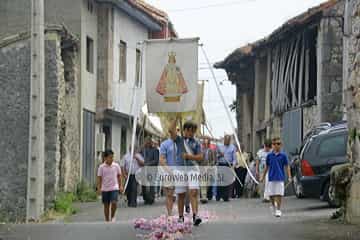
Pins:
x: 329, y: 195
x: 297, y: 188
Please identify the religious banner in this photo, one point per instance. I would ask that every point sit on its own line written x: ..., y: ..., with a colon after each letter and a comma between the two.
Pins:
x: 197, y: 116
x: 171, y: 74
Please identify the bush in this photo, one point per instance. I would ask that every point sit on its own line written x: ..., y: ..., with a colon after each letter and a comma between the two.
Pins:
x: 64, y: 203
x: 84, y: 193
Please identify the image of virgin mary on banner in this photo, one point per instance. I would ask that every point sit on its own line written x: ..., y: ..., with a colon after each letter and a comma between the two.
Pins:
x: 172, y: 84
x: 171, y: 75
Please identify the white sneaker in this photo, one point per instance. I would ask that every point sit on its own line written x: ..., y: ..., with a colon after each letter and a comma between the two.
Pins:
x: 277, y: 213
x: 113, y: 220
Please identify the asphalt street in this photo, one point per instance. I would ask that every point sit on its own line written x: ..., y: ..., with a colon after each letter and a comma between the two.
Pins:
x: 244, y: 219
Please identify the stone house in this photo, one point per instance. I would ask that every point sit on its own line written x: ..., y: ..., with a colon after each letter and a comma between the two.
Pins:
x: 291, y: 80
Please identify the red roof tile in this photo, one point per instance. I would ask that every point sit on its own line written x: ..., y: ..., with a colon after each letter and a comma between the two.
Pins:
x: 157, y: 14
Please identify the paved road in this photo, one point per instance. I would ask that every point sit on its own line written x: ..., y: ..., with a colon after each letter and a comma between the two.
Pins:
x: 245, y: 219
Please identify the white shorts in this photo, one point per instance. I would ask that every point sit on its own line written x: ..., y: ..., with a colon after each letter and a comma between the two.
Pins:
x: 166, y: 183
x: 276, y: 189
x: 192, y: 182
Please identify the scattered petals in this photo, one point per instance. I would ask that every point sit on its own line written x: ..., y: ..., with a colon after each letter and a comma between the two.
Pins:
x: 167, y: 228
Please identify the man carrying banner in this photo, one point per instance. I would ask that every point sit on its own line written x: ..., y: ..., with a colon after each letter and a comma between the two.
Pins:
x: 168, y: 161
x: 190, y: 154
x: 172, y: 88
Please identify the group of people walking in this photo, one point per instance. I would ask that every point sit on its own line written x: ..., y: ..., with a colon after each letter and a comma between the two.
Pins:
x: 182, y: 154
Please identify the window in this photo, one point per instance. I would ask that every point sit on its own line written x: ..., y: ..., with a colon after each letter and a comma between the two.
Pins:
x: 312, y: 46
x: 138, y: 68
x: 89, y: 55
x: 122, y: 61
x: 334, y: 146
x: 123, y: 141
x: 107, y: 132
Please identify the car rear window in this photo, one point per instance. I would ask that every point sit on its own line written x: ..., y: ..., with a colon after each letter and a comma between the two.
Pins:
x: 333, y: 146
x: 309, y: 150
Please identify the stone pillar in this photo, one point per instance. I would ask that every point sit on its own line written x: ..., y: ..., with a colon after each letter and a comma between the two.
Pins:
x: 268, y: 91
x: 239, y: 116
x: 255, y: 142
x: 330, y: 59
x: 244, y: 80
x: 105, y: 59
x: 55, y: 89
x: 248, y: 130
x: 70, y: 138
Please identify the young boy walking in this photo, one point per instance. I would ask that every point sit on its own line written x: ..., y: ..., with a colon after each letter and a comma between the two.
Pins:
x: 190, y: 157
x: 109, y: 184
x: 276, y: 162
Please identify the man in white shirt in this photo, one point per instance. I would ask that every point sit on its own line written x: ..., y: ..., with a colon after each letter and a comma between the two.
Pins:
x: 260, y: 167
x: 241, y: 171
x: 136, y: 163
x: 226, y: 157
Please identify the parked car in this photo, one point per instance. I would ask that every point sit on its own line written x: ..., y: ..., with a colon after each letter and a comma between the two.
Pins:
x: 320, y: 151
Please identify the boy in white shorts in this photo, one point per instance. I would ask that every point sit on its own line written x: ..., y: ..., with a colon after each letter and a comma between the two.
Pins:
x: 276, y: 162
x: 190, y: 154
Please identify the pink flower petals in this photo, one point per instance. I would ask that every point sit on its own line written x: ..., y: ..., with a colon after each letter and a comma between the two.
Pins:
x: 168, y: 228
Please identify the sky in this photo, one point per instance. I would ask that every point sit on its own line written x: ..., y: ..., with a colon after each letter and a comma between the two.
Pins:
x: 223, y: 26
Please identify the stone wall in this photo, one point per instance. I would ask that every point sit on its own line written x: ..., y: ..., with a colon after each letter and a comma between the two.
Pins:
x: 15, y: 17
x: 62, y: 121
x: 14, y: 127
x: 275, y: 127
x: 330, y: 60
x: 310, y: 118
x: 352, y: 91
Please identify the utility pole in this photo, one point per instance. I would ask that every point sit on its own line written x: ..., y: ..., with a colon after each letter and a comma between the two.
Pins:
x: 36, y: 159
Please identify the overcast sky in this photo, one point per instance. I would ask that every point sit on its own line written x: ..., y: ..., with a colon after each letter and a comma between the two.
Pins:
x: 223, y: 26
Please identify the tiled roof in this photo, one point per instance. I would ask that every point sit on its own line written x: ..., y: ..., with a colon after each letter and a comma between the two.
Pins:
x: 300, y: 20
x: 157, y: 14
x: 305, y: 17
